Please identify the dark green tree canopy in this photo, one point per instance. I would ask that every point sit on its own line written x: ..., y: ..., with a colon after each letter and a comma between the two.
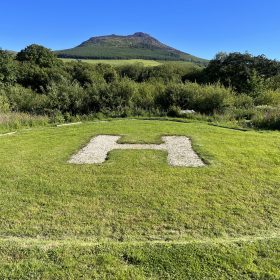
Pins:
x: 7, y: 68
x: 237, y: 70
x: 38, y: 55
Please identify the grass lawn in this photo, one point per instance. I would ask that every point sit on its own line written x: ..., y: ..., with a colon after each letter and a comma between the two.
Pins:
x: 135, y: 217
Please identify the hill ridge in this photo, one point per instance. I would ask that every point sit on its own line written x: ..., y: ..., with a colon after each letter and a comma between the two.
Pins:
x: 139, y: 45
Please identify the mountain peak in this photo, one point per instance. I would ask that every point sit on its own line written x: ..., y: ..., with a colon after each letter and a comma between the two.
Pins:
x: 141, y: 34
x: 139, y: 45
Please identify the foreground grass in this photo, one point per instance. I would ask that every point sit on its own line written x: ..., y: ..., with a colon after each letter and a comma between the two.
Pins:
x: 114, y: 220
x: 238, y: 260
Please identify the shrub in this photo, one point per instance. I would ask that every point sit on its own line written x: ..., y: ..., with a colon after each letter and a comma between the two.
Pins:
x: 38, y: 55
x: 25, y: 100
x: 201, y: 98
x: 243, y: 101
x: 4, y: 104
x: 7, y: 68
x: 269, y: 97
x: 108, y: 98
x: 66, y: 97
x: 144, y: 97
x: 267, y: 118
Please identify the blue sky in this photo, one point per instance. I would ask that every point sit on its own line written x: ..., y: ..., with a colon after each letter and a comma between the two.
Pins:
x: 199, y: 27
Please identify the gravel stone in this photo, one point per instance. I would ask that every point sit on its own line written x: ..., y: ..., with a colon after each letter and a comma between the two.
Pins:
x: 179, y: 148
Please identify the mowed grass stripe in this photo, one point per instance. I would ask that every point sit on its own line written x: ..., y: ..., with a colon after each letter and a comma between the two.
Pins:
x: 43, y: 242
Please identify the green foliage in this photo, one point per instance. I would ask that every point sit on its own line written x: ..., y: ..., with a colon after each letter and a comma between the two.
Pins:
x: 242, y: 72
x: 144, y: 97
x: 40, y: 83
x: 25, y: 100
x: 267, y: 118
x: 7, y: 68
x: 202, y: 98
x: 65, y: 97
x: 269, y: 97
x: 4, y: 104
x: 243, y: 101
x: 39, y: 56
x: 114, y: 97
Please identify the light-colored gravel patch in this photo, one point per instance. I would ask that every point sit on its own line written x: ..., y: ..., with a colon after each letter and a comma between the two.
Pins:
x: 179, y: 149
x: 7, y: 134
x: 69, y: 124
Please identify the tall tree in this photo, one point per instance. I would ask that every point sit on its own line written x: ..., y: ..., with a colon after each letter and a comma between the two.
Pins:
x: 7, y: 68
x: 38, y: 55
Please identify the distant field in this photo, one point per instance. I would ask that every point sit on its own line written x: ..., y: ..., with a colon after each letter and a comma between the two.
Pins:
x: 135, y: 217
x: 117, y: 62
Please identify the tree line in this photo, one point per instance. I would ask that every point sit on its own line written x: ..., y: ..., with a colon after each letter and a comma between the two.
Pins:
x: 238, y: 86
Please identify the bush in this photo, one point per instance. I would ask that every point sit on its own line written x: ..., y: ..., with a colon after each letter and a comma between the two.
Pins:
x: 110, y: 98
x: 201, y: 98
x: 4, y: 104
x: 267, y: 118
x: 7, y: 68
x: 243, y: 101
x: 145, y: 95
x: 25, y: 100
x: 38, y: 55
x: 269, y: 97
x: 66, y: 97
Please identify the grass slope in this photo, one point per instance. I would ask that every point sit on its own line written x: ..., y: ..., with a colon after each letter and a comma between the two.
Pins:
x: 135, y: 217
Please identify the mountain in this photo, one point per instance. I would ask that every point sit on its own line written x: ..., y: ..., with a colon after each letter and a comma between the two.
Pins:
x: 11, y: 52
x: 137, y: 46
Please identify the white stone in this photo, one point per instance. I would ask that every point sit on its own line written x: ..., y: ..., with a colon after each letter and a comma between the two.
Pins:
x: 179, y: 149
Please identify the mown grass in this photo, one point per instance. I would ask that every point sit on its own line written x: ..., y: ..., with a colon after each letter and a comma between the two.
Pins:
x: 113, y: 220
x: 237, y: 260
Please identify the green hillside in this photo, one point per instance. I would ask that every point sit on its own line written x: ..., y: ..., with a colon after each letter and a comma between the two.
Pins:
x: 136, y: 46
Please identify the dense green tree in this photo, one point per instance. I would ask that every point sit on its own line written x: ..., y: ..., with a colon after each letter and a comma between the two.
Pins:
x: 240, y: 71
x: 7, y: 68
x: 38, y: 78
x: 66, y: 97
x: 38, y: 55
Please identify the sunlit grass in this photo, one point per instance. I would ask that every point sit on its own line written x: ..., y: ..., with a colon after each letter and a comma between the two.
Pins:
x: 137, y: 197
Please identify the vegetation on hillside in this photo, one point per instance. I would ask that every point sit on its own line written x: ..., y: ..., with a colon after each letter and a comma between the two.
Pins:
x: 136, y: 46
x: 236, y: 87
